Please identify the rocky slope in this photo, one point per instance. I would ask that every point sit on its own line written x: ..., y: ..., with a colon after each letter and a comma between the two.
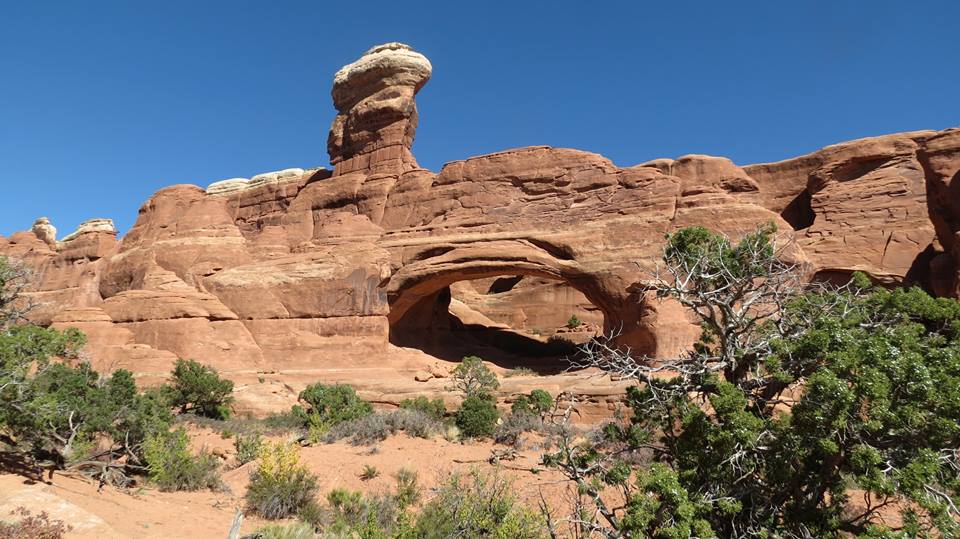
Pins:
x: 324, y: 270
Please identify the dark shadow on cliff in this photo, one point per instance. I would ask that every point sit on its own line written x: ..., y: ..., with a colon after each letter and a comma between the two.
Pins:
x: 503, y: 347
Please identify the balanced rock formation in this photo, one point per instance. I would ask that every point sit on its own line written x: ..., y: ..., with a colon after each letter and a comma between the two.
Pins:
x: 313, y: 270
x: 45, y: 231
x: 377, y: 114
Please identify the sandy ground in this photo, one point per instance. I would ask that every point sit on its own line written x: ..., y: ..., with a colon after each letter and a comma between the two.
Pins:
x: 148, y: 513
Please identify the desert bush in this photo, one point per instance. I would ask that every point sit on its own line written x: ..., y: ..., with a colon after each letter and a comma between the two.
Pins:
x: 329, y: 405
x: 373, y: 428
x: 794, y: 395
x: 472, y: 378
x: 508, y: 432
x: 352, y: 514
x: 369, y: 472
x: 408, y: 488
x: 296, y: 530
x: 247, y: 447
x: 477, y: 417
x: 172, y: 467
x: 378, y: 516
x: 574, y: 322
x: 537, y: 403
x: 280, y: 487
x: 434, y: 408
x: 30, y: 526
x: 521, y: 405
x: 293, y: 419
x: 480, y: 506
x: 541, y: 401
x: 313, y: 514
x: 198, y: 389
x: 57, y: 408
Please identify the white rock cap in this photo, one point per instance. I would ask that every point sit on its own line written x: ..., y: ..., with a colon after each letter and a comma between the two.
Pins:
x: 390, y: 61
x: 234, y: 185
x: 224, y: 187
x: 280, y: 176
x: 92, y: 225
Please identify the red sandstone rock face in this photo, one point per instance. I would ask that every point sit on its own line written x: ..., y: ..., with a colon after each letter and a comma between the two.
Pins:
x: 316, y: 270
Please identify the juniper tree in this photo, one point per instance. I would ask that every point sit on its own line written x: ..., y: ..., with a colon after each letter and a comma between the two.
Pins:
x: 802, y: 411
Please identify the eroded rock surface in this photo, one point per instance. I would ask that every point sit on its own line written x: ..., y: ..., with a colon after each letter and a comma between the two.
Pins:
x: 304, y: 270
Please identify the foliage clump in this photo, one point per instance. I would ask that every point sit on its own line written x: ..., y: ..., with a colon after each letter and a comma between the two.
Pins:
x: 478, y: 505
x: 172, y: 467
x: 794, y: 395
x: 477, y: 417
x: 434, y: 408
x: 472, y: 378
x: 30, y: 526
x: 198, y: 389
x: 378, y: 516
x: 55, y: 408
x: 538, y: 402
x: 373, y: 428
x: 281, y: 486
x: 247, y: 447
x: 329, y: 405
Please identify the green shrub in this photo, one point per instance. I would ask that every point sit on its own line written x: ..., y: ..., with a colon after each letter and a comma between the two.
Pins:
x: 521, y: 405
x: 538, y: 403
x: 313, y: 514
x: 172, y: 467
x: 541, y: 401
x: 70, y: 406
x: 280, y: 487
x: 380, y: 516
x: 198, y: 389
x: 472, y: 377
x: 434, y: 408
x: 59, y: 411
x: 247, y: 447
x: 408, y: 487
x: 351, y: 514
x: 478, y: 506
x: 32, y: 526
x: 369, y: 472
x: 477, y: 417
x: 329, y: 405
x: 574, y: 322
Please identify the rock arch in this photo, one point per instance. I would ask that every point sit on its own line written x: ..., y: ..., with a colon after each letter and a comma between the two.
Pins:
x: 415, y: 291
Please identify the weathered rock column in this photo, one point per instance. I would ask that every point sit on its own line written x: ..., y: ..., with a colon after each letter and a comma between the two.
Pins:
x: 377, y: 118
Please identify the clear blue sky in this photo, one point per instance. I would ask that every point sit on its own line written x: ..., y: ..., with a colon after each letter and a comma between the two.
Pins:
x: 104, y: 102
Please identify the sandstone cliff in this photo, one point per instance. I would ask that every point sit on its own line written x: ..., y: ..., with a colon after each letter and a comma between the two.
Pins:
x: 302, y: 270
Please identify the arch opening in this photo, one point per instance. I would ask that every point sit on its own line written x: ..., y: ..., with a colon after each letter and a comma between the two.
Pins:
x: 430, y: 311
x: 515, y: 321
